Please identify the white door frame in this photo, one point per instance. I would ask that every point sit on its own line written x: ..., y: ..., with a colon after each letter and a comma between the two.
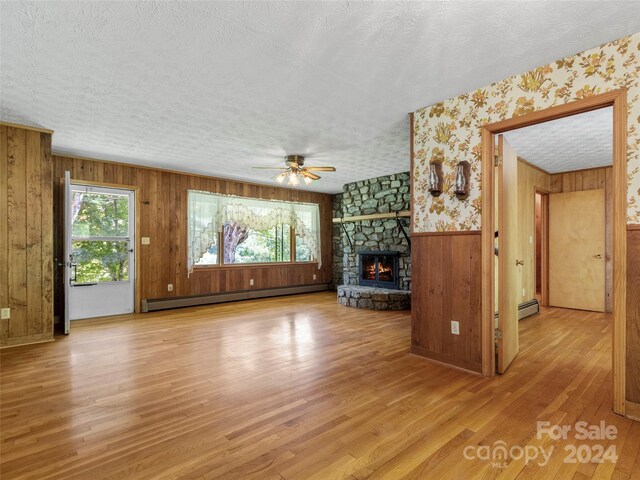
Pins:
x: 130, y: 191
x: 66, y: 276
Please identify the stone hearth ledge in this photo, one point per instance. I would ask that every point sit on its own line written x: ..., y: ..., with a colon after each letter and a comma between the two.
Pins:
x: 374, y: 298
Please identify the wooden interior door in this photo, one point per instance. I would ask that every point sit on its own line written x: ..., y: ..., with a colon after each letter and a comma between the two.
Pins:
x: 507, y: 191
x: 577, y: 250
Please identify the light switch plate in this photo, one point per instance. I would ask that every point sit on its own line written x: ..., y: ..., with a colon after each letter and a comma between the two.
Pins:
x: 455, y: 328
x: 146, y: 241
x: 251, y: 282
x: 5, y: 314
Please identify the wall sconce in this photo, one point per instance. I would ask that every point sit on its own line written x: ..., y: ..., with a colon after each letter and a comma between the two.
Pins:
x: 435, y: 179
x: 461, y: 185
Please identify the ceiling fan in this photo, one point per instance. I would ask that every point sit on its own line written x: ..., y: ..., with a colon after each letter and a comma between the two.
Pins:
x: 294, y: 170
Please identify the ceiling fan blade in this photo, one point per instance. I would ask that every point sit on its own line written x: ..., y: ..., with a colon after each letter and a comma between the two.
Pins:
x: 322, y: 169
x: 310, y: 175
x: 317, y: 155
x: 269, y: 168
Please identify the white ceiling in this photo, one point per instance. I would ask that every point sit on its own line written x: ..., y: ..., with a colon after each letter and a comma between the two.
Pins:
x: 217, y: 87
x: 571, y: 143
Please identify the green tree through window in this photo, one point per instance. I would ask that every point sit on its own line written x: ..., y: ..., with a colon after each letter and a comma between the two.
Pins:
x: 98, y: 222
x: 257, y: 246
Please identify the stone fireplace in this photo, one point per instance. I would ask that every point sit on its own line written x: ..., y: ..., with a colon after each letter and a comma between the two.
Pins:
x: 378, y: 269
x: 377, y: 195
x: 371, y: 257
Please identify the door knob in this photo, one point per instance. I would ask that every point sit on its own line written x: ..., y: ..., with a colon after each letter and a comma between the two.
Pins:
x: 519, y: 262
x: 597, y: 256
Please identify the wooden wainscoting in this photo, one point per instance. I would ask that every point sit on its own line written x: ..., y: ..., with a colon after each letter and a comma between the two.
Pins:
x: 162, y: 203
x: 447, y: 265
x: 26, y: 238
x: 633, y: 314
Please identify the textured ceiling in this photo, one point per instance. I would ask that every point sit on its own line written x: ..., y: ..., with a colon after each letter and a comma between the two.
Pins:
x: 571, y: 143
x: 217, y: 87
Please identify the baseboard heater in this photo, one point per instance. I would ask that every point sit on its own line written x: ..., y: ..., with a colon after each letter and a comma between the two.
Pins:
x: 150, y: 305
x: 525, y: 310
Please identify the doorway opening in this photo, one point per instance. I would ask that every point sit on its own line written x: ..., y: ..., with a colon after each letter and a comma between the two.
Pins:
x: 542, y: 247
x: 99, y: 251
x: 509, y: 288
x: 563, y: 164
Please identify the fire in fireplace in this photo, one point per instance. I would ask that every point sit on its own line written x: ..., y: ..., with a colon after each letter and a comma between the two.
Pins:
x: 378, y: 269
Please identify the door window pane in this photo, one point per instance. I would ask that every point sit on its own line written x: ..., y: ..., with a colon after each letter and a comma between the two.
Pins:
x: 100, y: 261
x: 99, y: 215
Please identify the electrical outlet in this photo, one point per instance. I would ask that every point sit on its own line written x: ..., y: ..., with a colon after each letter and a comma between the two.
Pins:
x: 523, y: 293
x: 6, y: 314
x: 145, y: 240
x: 170, y: 287
x: 314, y: 276
x: 251, y: 282
x: 455, y: 328
x: 530, y: 239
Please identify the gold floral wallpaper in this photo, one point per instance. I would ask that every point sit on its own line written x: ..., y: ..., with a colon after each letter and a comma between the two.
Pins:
x: 450, y: 131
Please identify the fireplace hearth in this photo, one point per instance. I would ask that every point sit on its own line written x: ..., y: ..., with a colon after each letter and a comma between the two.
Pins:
x: 378, y: 269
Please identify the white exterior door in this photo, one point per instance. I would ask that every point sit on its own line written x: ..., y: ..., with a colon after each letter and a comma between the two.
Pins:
x: 100, y: 252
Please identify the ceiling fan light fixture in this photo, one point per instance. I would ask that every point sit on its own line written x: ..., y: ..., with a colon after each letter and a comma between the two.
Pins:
x: 294, y: 172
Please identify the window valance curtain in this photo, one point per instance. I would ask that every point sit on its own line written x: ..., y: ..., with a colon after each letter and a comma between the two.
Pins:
x: 208, y: 213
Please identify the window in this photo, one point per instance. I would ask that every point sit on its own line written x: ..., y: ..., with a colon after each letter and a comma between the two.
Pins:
x: 210, y: 255
x: 258, y: 246
x: 227, y: 230
x: 303, y: 251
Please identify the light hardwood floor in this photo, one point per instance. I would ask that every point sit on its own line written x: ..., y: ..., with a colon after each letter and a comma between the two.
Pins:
x: 296, y: 388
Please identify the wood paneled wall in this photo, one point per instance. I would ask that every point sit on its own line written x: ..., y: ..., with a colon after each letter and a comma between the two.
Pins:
x: 633, y: 313
x: 591, y: 179
x: 162, y: 203
x: 447, y: 286
x: 26, y: 237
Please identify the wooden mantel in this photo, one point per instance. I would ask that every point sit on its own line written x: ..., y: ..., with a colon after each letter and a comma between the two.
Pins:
x: 373, y: 216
